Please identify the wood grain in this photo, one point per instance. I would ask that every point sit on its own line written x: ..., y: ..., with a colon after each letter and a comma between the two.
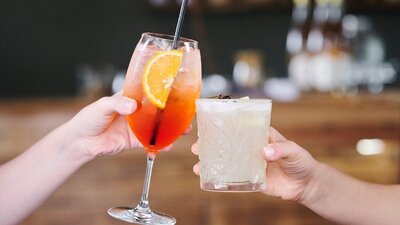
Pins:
x: 329, y: 128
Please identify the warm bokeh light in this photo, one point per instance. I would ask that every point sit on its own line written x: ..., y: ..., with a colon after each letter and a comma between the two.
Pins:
x: 370, y: 146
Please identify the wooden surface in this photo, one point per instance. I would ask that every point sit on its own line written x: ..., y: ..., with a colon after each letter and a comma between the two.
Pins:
x: 329, y: 128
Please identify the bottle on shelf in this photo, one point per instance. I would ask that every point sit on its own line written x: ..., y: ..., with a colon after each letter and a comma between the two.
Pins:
x: 329, y: 58
x: 296, y: 43
x: 339, y: 49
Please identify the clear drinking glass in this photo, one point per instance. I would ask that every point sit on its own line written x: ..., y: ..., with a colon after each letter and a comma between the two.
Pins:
x: 165, y: 83
x: 231, y: 134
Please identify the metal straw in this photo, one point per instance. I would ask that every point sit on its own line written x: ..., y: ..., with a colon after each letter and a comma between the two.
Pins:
x: 179, y: 24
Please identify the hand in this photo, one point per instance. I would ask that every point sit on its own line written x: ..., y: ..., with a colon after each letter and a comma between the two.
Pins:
x: 289, y: 171
x: 290, y: 168
x: 101, y: 129
x: 98, y: 129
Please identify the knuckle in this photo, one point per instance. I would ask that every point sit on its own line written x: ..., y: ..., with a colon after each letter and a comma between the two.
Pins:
x: 103, y: 100
x: 291, y: 143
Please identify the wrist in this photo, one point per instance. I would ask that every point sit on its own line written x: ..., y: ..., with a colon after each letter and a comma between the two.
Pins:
x: 70, y: 146
x: 314, y: 187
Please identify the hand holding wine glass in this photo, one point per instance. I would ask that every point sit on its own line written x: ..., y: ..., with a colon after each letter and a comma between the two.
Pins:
x: 165, y: 83
x: 98, y: 129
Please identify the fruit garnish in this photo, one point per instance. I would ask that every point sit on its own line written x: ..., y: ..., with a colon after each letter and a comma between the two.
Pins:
x: 159, y: 75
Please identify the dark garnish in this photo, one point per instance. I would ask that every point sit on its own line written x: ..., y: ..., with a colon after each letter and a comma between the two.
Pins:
x: 220, y: 96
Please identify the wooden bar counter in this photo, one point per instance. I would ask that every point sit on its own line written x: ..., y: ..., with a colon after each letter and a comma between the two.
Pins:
x: 328, y: 127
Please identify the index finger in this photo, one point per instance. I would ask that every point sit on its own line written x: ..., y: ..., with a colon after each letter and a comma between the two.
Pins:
x: 275, y: 136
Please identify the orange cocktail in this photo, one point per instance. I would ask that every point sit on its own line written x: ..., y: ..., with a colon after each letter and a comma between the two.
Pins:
x: 165, y: 84
x: 164, y: 79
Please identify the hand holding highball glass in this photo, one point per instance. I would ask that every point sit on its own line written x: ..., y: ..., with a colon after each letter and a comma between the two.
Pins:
x: 231, y: 134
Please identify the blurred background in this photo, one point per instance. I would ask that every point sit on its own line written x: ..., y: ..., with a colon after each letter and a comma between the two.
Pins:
x: 49, y: 48
x: 331, y: 68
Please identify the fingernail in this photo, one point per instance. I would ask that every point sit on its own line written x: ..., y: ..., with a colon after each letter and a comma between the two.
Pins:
x: 128, y: 106
x: 269, y: 151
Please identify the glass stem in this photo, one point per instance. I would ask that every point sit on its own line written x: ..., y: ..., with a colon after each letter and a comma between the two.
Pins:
x: 143, y: 205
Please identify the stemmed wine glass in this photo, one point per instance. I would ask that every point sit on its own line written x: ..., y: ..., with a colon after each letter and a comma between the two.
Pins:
x: 165, y: 82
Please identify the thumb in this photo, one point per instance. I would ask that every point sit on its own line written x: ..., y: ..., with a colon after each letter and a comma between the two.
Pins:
x: 107, y: 106
x: 287, y: 150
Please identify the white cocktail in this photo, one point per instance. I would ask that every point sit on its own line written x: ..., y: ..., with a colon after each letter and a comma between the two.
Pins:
x: 231, y: 134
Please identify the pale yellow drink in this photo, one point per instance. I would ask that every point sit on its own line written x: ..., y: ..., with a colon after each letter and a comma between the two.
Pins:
x: 231, y: 134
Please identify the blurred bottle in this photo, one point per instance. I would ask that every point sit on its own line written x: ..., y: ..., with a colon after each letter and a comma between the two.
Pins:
x: 338, y: 46
x: 316, y: 47
x: 370, y: 72
x: 330, y: 61
x: 316, y: 38
x: 296, y: 43
x: 333, y: 28
x: 248, y: 71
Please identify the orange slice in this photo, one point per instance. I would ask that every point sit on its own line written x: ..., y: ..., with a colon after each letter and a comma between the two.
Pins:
x: 159, y: 75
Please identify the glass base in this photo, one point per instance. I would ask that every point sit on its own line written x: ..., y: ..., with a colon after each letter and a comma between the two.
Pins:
x: 233, y: 187
x: 131, y: 215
